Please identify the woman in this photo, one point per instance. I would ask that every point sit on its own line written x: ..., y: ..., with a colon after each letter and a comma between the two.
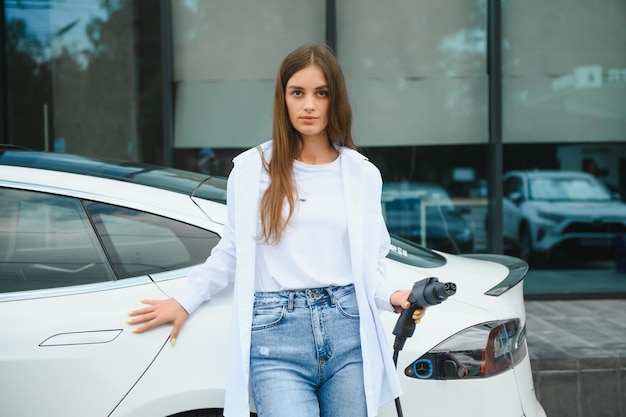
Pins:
x: 305, y: 243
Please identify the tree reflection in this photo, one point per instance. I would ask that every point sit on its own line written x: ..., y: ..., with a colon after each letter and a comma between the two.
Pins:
x: 28, y: 80
x: 86, y: 81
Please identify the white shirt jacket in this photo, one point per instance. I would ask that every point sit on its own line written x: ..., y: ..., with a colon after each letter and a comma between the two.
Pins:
x: 233, y: 259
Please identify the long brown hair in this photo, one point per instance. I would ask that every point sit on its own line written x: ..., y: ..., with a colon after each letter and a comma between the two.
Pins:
x: 286, y: 141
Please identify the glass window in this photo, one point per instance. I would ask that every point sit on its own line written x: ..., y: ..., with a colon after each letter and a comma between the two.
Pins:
x: 567, y: 189
x: 417, y: 78
x: 46, y: 241
x: 224, y: 80
x: 564, y: 72
x: 84, y: 77
x: 563, y: 94
x: 141, y: 243
x: 424, y: 213
x: 409, y: 253
x: 416, y: 71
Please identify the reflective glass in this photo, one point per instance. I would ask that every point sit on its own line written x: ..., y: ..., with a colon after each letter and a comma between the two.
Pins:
x: 141, y: 243
x: 75, y: 80
x: 46, y: 241
x: 563, y: 90
x: 416, y: 71
x: 568, y: 189
x: 226, y: 54
x: 564, y: 71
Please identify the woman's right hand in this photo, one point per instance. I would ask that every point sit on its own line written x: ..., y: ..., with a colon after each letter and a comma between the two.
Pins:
x: 159, y: 312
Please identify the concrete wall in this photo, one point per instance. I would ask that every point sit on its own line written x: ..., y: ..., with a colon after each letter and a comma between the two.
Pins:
x: 581, y: 387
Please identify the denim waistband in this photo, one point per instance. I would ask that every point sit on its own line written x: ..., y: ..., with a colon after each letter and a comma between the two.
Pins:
x: 302, y: 298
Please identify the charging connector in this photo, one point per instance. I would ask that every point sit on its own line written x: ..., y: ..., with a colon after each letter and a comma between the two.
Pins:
x: 425, y: 293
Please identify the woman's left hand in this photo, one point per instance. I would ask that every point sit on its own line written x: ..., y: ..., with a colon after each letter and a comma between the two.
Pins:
x: 399, y: 301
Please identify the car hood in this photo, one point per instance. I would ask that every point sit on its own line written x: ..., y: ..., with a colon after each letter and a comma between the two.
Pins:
x: 583, y: 208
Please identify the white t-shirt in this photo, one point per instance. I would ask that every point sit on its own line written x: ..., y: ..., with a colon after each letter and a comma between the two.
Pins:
x: 314, y: 249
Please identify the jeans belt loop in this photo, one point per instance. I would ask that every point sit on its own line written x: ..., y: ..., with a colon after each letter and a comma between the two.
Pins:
x: 292, y: 295
x: 332, y: 296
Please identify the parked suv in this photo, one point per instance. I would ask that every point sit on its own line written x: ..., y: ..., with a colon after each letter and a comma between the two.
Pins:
x: 548, y: 213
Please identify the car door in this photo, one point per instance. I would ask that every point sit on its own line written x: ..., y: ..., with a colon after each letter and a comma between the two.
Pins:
x: 66, y: 349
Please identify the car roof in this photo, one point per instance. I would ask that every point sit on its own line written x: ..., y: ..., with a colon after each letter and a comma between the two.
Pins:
x: 175, y: 180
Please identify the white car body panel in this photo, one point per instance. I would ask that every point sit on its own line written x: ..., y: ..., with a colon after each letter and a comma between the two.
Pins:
x: 192, y: 374
x: 65, y: 369
x: 213, y: 210
x: 95, y: 365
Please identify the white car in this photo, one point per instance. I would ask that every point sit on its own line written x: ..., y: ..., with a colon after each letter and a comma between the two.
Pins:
x: 551, y: 213
x: 83, y: 240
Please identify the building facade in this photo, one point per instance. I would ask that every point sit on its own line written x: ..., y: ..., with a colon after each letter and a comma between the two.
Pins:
x: 448, y: 96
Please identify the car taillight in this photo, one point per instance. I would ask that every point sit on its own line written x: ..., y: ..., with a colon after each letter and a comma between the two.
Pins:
x: 476, y: 352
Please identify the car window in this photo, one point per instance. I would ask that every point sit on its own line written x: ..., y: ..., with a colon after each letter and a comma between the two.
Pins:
x: 47, y: 241
x: 140, y: 243
x: 409, y: 253
x: 568, y: 189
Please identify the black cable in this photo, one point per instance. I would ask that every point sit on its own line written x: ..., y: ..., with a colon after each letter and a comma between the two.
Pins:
x: 395, y: 362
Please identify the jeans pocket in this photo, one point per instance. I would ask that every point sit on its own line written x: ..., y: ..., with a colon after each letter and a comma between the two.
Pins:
x: 267, y: 317
x: 347, y: 304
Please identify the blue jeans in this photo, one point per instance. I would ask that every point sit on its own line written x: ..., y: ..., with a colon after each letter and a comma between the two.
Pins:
x: 305, y: 354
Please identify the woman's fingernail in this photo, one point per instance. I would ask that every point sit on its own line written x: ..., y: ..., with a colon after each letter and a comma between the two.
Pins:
x: 407, y: 304
x: 136, y: 329
x: 173, y: 341
x: 129, y: 321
